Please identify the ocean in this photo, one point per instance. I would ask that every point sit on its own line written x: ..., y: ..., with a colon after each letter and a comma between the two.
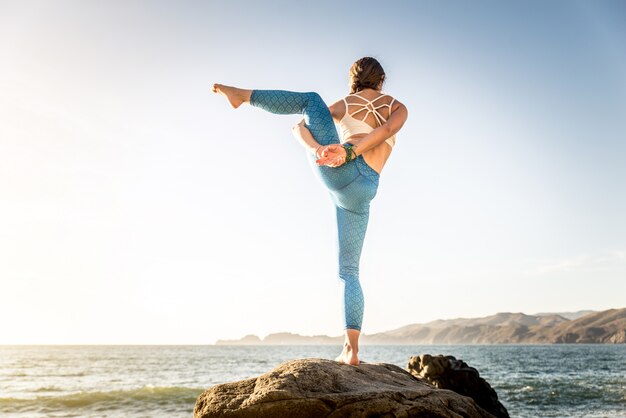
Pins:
x: 577, y: 380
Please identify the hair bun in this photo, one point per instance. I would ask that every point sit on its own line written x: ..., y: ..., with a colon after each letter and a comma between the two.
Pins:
x: 365, y: 73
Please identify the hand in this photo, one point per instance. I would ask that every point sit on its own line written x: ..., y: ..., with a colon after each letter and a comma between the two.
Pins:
x: 332, y: 155
x: 327, y: 151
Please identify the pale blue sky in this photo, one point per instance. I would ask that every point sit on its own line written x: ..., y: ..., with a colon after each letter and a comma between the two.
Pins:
x: 137, y: 207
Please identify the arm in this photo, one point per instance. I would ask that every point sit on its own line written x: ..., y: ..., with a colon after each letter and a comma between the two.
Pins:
x: 371, y: 140
x: 380, y: 134
x: 304, y: 136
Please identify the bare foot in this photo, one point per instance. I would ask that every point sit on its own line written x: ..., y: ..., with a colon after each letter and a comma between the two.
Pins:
x: 234, y: 95
x: 348, y: 356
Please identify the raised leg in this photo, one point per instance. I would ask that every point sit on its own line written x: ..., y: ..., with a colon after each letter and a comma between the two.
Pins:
x: 318, y: 121
x: 316, y: 114
x: 235, y: 96
x: 317, y: 118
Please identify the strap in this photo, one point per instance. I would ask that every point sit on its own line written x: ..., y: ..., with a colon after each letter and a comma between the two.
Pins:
x: 367, y: 100
x: 382, y: 95
x: 364, y: 106
x: 346, y: 104
x: 379, y: 118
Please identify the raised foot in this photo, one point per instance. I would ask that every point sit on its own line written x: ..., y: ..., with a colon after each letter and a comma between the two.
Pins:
x: 234, y: 95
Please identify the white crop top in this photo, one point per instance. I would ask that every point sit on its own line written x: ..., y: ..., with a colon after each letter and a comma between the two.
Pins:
x: 349, y: 125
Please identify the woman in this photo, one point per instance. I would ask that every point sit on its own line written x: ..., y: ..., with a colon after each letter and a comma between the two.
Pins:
x: 350, y: 167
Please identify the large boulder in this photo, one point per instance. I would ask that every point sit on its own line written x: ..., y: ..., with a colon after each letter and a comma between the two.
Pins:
x: 446, y: 372
x: 318, y: 388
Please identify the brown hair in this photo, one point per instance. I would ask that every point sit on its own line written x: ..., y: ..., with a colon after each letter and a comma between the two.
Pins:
x: 365, y: 73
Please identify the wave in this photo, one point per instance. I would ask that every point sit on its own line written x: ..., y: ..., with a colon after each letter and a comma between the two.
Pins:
x: 164, y: 399
x: 48, y: 389
x: 23, y: 374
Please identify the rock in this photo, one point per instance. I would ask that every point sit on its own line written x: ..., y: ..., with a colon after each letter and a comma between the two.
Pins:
x: 317, y: 388
x: 446, y: 372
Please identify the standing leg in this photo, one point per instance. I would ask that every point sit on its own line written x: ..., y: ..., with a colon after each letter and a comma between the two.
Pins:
x: 351, y: 228
x: 353, y: 207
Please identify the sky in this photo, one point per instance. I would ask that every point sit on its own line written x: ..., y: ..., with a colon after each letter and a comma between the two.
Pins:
x: 136, y: 207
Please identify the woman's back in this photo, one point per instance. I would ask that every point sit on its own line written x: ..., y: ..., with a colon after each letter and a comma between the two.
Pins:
x: 360, y: 113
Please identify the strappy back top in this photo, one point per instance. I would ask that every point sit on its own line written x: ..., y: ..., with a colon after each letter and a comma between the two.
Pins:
x: 349, y: 125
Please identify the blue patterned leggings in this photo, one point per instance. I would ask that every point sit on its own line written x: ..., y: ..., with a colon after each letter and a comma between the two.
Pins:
x: 352, y: 186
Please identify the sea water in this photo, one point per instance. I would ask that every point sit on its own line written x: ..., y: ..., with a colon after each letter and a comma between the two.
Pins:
x: 164, y: 381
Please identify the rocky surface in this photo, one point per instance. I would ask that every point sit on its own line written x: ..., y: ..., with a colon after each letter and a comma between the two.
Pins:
x: 446, y: 372
x: 324, y: 388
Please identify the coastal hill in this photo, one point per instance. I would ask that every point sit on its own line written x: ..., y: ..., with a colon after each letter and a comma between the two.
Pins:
x: 502, y: 328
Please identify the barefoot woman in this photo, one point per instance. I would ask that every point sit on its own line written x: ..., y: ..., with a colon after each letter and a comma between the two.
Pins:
x: 350, y: 167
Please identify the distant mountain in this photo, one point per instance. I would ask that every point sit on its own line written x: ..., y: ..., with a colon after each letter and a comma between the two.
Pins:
x: 284, y: 338
x: 503, y: 328
x: 247, y: 340
x: 568, y: 315
x: 598, y: 327
x: 500, y: 328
